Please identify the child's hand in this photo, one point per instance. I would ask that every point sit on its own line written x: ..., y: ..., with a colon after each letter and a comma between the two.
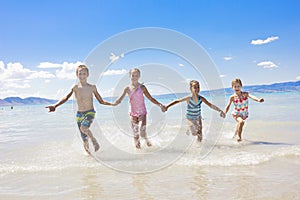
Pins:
x: 166, y: 109
x: 117, y: 102
x: 51, y: 108
x: 163, y: 108
x: 261, y: 100
x: 222, y: 114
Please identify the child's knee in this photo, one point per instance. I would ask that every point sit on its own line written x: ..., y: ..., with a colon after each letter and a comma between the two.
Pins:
x: 84, y: 129
x: 242, y: 122
x: 143, y: 131
x: 135, y: 129
x: 84, y: 137
x: 197, y: 132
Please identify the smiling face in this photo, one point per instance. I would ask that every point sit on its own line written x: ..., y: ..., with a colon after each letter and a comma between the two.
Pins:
x: 237, y: 87
x: 195, y: 87
x: 82, y: 75
x: 134, y: 76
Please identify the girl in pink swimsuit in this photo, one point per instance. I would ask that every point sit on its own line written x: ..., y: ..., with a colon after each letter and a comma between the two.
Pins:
x: 138, y: 112
x: 240, y: 101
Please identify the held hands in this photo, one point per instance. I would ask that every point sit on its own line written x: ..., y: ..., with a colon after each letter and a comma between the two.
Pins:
x: 163, y: 108
x: 51, y: 108
x: 114, y: 104
x: 261, y: 100
x: 117, y: 102
x: 222, y: 114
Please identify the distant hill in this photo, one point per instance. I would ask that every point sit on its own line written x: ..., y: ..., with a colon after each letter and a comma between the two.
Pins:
x: 272, y: 88
x: 276, y: 87
x: 13, y: 101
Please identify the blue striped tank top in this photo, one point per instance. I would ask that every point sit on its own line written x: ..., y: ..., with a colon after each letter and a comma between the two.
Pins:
x: 194, y: 110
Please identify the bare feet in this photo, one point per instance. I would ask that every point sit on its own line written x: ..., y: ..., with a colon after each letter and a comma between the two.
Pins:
x: 239, y: 139
x: 96, y: 145
x: 235, y: 135
x: 137, y: 143
x: 149, y: 144
x: 199, y: 138
x: 86, y: 147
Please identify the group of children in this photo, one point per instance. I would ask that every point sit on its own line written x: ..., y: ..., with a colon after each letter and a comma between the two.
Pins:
x: 136, y: 91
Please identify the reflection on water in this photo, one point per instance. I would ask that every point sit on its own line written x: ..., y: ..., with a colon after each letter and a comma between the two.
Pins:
x: 140, y: 183
x: 91, y: 186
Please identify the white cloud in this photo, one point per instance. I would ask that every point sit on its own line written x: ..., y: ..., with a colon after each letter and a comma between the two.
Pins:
x: 267, y: 65
x: 2, y: 67
x: 40, y: 74
x: 15, y: 85
x: 68, y: 70
x: 47, y: 65
x: 16, y: 80
x: 16, y: 71
x: 268, y: 40
x: 227, y: 58
x: 298, y: 78
x: 8, y: 93
x: 181, y: 65
x: 113, y: 58
x: 60, y: 93
x: 114, y: 72
x: 11, y: 85
x: 222, y: 75
x: 108, y: 93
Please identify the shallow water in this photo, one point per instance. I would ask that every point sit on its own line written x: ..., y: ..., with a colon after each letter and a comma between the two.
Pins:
x: 42, y: 155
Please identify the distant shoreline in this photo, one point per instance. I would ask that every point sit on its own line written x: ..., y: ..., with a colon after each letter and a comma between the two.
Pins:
x: 272, y: 88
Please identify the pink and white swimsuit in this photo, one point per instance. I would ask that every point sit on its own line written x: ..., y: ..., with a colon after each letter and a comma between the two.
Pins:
x: 241, y: 107
x: 137, y: 103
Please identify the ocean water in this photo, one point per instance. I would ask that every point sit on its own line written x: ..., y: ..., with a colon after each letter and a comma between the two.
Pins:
x: 41, y: 154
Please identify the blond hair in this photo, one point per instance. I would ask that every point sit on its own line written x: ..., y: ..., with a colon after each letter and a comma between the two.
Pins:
x: 237, y: 80
x: 82, y: 67
x: 134, y: 70
x: 192, y: 82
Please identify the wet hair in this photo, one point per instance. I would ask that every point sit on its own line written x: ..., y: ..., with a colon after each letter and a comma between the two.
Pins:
x: 82, y: 67
x: 134, y: 70
x: 192, y: 82
x: 237, y: 80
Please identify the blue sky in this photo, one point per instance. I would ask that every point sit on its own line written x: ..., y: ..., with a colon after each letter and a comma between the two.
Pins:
x: 42, y: 42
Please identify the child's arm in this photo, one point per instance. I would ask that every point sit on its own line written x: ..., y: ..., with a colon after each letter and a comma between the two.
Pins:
x: 62, y: 101
x: 99, y: 98
x: 228, y: 104
x: 177, y: 101
x: 119, y: 100
x: 154, y: 101
x: 255, y: 98
x: 212, y: 106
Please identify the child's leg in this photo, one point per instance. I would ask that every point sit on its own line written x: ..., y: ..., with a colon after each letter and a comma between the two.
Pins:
x: 236, y: 131
x: 88, y: 132
x: 86, y: 146
x: 135, y: 129
x: 199, y: 131
x: 195, y: 127
x: 143, y: 129
x: 240, y: 126
x: 84, y: 121
x: 84, y: 138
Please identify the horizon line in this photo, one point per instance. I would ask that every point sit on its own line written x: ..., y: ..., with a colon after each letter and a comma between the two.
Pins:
x: 224, y: 88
